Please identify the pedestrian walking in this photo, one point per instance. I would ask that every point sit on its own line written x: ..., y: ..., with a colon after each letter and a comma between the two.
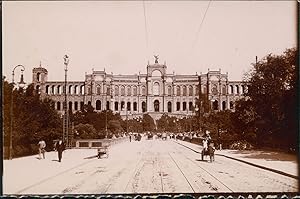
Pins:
x: 42, y: 146
x: 60, y: 147
x: 130, y: 138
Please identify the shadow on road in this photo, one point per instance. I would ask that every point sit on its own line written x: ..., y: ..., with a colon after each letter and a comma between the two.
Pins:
x: 202, y: 160
x: 91, y: 157
x: 266, y: 155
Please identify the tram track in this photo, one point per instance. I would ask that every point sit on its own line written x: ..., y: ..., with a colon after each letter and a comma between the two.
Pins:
x: 245, y: 162
x: 182, y: 173
x: 209, y: 173
x: 229, y: 172
x: 212, y: 187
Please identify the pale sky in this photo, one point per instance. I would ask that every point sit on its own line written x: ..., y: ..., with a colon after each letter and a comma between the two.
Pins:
x: 112, y: 35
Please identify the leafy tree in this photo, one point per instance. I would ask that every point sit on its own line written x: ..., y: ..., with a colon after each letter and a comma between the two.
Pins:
x: 148, y: 123
x: 115, y: 126
x: 33, y: 119
x: 86, y: 131
x: 272, y: 96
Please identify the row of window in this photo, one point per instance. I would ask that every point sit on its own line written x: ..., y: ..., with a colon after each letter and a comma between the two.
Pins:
x: 156, y: 90
x: 57, y: 90
x: 215, y: 106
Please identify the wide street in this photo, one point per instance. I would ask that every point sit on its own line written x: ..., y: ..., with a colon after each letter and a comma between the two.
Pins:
x: 147, y: 166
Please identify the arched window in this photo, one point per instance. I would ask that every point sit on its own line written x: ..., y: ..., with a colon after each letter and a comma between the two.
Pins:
x: 224, y: 89
x: 178, y: 106
x: 134, y: 106
x: 156, y: 88
x: 122, y: 105
x: 214, y: 89
x: 116, y: 90
x: 231, y: 89
x: 197, y: 90
x: 183, y: 106
x: 190, y: 106
x: 70, y: 89
x: 123, y: 90
x: 89, y: 90
x: 116, y: 106
x: 243, y: 89
x: 98, y: 105
x: 47, y: 89
x: 215, y: 105
x: 75, y: 90
x: 143, y: 90
x: 231, y: 105
x: 70, y: 106
x: 223, y: 105
x: 75, y: 106
x: 107, y: 90
x: 178, y: 91
x: 58, y: 106
x: 38, y: 76
x: 237, y: 89
x: 156, y: 106
x: 98, y: 89
x: 107, y: 105
x: 184, y: 90
x: 135, y: 91
x: 128, y: 106
x: 81, y: 105
x: 38, y: 89
x: 53, y: 89
x: 89, y: 103
x: 190, y: 91
x: 144, y: 108
x: 169, y: 107
x: 169, y: 90
x: 58, y: 90
x: 82, y: 90
x: 129, y: 90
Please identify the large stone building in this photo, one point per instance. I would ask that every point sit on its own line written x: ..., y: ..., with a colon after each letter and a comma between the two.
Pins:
x: 155, y: 92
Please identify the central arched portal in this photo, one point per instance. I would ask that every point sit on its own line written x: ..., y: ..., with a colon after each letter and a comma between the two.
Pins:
x: 156, y: 106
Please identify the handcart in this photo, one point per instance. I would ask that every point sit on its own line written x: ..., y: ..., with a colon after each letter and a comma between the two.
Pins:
x: 103, y: 152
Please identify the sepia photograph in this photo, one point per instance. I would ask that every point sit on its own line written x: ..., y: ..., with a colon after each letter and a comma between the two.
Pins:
x: 150, y: 97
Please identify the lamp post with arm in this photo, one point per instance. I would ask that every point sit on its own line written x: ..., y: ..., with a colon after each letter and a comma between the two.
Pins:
x: 66, y: 118
x: 21, y: 84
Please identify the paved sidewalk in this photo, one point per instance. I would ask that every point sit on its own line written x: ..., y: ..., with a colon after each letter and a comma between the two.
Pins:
x: 21, y: 173
x: 278, y: 161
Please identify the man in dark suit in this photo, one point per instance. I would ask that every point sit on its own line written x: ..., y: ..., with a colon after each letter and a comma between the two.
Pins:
x: 60, y: 147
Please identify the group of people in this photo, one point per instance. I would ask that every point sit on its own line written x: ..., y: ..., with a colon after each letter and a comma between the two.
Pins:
x: 59, y: 146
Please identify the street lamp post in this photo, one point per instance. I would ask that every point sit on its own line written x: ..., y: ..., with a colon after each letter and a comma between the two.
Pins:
x: 21, y: 84
x: 197, y: 109
x: 66, y: 122
x: 108, y: 92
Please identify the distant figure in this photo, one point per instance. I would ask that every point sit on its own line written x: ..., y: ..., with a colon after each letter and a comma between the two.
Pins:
x: 130, y: 138
x: 207, y: 137
x: 205, y: 144
x: 60, y: 147
x: 42, y: 146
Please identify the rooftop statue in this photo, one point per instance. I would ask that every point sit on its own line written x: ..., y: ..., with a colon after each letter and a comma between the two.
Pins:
x: 156, y: 59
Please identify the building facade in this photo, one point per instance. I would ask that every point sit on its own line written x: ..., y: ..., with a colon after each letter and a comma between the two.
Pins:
x: 156, y: 92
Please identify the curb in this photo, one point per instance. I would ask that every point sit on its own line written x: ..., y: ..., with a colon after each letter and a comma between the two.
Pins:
x: 246, y: 162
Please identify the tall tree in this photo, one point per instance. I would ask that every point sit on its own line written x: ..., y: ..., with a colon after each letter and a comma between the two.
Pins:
x: 272, y: 93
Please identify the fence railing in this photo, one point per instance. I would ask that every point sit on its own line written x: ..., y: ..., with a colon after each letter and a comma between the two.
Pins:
x: 96, y: 143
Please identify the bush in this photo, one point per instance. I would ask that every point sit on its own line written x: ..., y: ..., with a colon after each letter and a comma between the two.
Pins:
x: 241, y: 145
